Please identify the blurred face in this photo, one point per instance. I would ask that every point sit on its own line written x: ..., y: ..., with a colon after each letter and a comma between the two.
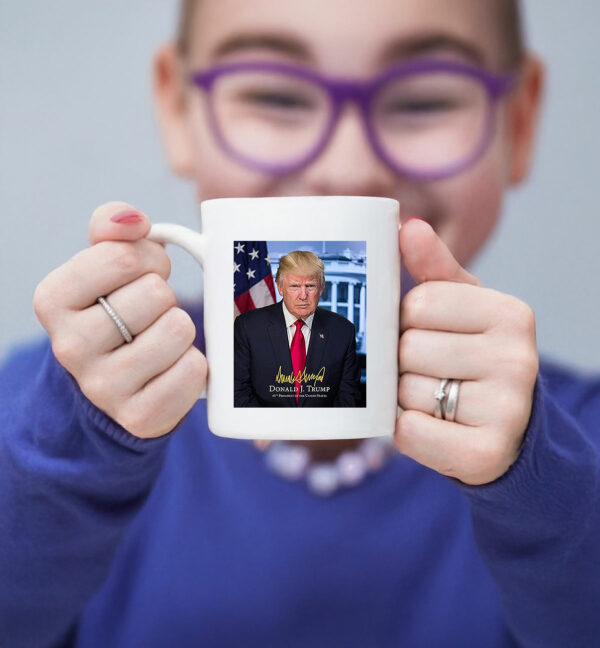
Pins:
x: 358, y: 40
x: 301, y: 293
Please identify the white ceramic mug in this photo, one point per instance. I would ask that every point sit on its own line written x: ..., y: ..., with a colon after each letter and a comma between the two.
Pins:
x: 373, y: 222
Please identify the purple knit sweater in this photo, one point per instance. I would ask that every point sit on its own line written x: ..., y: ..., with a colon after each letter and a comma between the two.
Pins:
x: 109, y: 541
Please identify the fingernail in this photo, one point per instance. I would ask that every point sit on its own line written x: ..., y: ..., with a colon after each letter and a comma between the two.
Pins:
x: 127, y: 216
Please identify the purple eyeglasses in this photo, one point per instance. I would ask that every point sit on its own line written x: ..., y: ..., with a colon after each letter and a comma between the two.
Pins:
x: 427, y: 119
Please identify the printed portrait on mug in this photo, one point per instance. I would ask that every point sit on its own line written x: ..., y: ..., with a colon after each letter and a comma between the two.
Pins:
x: 300, y: 323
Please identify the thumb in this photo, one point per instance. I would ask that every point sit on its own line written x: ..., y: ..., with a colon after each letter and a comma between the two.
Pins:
x: 426, y: 256
x: 118, y: 221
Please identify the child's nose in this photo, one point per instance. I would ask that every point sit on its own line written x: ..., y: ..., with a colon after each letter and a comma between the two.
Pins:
x: 349, y: 165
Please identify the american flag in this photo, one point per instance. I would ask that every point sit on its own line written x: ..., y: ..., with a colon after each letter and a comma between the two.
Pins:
x: 252, y: 279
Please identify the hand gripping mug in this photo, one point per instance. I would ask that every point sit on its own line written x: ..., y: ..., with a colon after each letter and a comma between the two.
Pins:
x: 314, y: 356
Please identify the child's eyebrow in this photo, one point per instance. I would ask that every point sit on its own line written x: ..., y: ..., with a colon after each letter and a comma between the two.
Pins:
x: 428, y: 43
x: 397, y: 49
x: 278, y: 43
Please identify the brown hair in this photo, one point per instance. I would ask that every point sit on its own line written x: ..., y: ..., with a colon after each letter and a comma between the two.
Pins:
x: 508, y: 14
x: 510, y: 24
x: 303, y: 263
x: 186, y: 15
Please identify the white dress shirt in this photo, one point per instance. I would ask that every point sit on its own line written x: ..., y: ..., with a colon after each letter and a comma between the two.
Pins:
x: 291, y: 326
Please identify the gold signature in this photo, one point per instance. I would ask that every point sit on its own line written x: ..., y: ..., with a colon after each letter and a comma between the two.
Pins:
x: 301, y: 377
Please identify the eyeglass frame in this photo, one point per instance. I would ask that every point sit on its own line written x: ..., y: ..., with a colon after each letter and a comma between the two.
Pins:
x: 341, y: 90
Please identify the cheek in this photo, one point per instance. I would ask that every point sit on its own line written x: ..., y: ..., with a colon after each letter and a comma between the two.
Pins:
x: 470, y: 204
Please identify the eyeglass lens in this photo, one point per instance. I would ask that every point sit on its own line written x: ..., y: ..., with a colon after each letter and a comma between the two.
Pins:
x: 430, y: 121
x: 270, y: 116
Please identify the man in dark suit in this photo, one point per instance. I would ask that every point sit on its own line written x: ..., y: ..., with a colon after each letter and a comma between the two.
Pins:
x: 292, y: 353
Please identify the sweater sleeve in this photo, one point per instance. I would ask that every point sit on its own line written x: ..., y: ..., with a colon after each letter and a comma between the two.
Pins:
x: 71, y: 480
x: 538, y: 526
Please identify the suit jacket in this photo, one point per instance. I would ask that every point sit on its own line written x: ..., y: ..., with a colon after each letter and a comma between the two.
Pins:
x: 262, y: 352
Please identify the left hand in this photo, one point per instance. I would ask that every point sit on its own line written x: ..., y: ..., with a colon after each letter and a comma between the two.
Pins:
x: 452, y: 327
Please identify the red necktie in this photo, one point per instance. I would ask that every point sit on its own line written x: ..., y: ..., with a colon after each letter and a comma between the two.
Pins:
x: 298, y: 351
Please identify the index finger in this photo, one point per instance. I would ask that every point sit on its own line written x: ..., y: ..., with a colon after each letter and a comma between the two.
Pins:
x: 99, y: 270
x: 117, y: 221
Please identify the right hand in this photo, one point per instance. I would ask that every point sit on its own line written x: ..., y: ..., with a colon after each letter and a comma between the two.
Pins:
x: 147, y: 386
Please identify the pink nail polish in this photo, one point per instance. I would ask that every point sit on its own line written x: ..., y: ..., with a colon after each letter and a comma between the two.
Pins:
x: 127, y: 216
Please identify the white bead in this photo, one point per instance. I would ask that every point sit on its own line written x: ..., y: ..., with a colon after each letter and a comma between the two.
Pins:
x: 288, y: 461
x: 295, y: 462
x: 274, y: 456
x: 323, y: 479
x: 374, y: 453
x: 351, y: 467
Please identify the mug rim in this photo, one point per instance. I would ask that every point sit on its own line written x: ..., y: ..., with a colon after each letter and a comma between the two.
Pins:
x: 312, y: 198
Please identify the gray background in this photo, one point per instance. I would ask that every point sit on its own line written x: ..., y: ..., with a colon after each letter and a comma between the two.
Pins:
x: 77, y: 129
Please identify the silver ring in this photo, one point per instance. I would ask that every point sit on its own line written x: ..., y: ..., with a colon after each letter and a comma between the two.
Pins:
x: 450, y: 412
x: 440, y: 396
x: 116, y: 319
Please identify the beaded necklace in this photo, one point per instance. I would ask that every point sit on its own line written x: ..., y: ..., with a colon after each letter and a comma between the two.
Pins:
x: 293, y: 462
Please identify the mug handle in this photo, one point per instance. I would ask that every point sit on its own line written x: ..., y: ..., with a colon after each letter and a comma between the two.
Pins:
x: 190, y: 240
